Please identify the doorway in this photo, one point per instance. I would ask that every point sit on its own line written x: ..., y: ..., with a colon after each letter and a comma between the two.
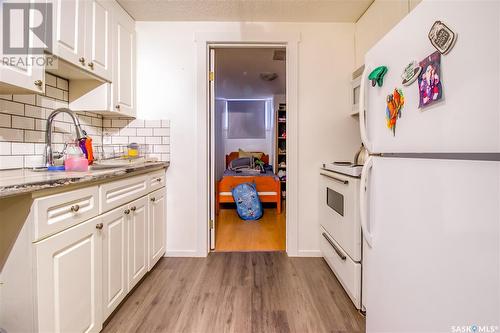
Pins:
x: 248, y: 122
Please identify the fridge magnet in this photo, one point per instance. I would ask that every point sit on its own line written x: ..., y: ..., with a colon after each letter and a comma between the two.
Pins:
x: 410, y: 73
x: 377, y: 76
x: 429, y: 80
x: 442, y: 37
x: 395, y: 103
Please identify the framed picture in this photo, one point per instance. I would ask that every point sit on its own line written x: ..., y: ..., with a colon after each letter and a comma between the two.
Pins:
x: 429, y: 81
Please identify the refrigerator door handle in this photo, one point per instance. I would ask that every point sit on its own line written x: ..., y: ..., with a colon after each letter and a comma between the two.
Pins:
x: 362, y: 118
x: 363, y: 215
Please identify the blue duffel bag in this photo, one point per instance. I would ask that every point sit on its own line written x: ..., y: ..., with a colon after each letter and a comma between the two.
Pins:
x: 247, y: 201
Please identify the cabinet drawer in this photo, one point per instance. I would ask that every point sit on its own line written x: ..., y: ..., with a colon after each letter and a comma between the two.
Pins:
x: 156, y: 180
x: 120, y: 192
x: 347, y: 271
x: 63, y: 210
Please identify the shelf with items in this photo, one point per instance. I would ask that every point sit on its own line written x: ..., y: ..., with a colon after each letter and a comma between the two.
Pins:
x: 281, y: 146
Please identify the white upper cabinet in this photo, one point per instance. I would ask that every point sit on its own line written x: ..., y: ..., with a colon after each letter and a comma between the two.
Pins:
x: 16, y: 76
x: 124, y: 62
x: 98, y: 40
x: 69, y: 30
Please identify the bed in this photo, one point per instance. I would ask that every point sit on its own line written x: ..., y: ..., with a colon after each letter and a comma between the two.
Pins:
x: 268, y: 184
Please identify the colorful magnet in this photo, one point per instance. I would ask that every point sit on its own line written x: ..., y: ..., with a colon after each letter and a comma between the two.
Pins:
x: 377, y: 76
x: 410, y: 73
x: 442, y: 37
x: 395, y: 103
x: 429, y: 81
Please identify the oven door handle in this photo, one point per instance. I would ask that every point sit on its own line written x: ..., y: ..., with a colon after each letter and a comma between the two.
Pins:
x: 337, y: 250
x: 343, y: 181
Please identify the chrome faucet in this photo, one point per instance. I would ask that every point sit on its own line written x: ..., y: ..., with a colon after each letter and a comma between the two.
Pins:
x: 80, y: 133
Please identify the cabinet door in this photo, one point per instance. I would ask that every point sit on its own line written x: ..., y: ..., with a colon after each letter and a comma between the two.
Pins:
x: 68, y: 268
x: 17, y: 76
x: 98, y: 43
x: 124, y: 62
x: 157, y: 223
x: 138, y: 240
x: 69, y: 30
x: 114, y: 265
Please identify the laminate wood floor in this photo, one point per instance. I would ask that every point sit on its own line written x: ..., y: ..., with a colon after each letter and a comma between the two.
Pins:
x: 265, y: 234
x: 238, y: 292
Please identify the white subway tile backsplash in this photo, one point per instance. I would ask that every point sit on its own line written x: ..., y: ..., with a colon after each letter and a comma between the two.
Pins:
x: 23, y: 122
x: 136, y: 123
x: 119, y: 123
x: 21, y: 148
x: 5, y: 120
x: 9, y: 134
x: 11, y: 162
x: 5, y: 148
x: 161, y: 131
x: 62, y: 84
x: 119, y: 140
x: 153, y: 140
x: 12, y: 107
x: 34, y: 111
x: 25, y: 99
x: 144, y: 132
x: 50, y: 80
x: 153, y: 123
x: 54, y: 92
x: 33, y: 136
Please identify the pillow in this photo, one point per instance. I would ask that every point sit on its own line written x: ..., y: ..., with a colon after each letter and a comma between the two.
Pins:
x: 242, y: 153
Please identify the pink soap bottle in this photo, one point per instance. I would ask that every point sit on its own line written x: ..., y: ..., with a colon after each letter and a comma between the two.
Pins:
x: 74, y: 159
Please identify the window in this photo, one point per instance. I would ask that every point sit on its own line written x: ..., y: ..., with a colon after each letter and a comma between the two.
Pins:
x: 246, y: 119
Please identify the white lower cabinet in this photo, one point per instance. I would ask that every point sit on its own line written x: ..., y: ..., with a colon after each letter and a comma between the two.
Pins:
x: 114, y: 259
x: 73, y: 280
x: 157, y: 232
x: 68, y: 271
x: 138, y: 240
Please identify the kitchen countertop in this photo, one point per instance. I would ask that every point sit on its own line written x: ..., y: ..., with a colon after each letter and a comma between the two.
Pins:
x: 19, y: 181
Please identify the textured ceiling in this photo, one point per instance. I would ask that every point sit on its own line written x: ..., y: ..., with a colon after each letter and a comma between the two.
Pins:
x: 237, y: 73
x: 247, y: 10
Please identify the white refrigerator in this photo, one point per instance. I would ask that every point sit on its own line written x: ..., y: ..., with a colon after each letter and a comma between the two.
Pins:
x: 430, y: 193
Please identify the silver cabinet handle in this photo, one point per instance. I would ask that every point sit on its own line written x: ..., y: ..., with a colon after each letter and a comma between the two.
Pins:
x: 82, y: 60
x: 153, y: 199
x: 38, y: 83
x: 343, y: 181
x: 127, y: 211
x: 339, y: 253
x: 133, y: 208
x: 91, y: 65
x: 158, y: 179
x: 99, y: 226
x: 117, y: 106
x: 75, y: 208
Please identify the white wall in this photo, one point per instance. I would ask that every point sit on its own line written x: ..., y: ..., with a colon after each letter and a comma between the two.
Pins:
x: 379, y: 19
x: 166, y: 74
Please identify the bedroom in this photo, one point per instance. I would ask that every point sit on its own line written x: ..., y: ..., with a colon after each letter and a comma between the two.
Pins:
x: 249, y: 145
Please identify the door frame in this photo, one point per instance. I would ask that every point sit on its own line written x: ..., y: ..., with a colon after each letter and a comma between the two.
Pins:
x: 205, y: 41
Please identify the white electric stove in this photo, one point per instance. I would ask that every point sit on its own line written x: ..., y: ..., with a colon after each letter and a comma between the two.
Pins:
x: 346, y: 168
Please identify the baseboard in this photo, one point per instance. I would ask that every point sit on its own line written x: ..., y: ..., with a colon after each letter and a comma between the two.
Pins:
x: 184, y: 253
x: 309, y: 253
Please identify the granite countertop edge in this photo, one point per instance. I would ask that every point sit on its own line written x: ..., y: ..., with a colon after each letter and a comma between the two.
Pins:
x: 66, y: 179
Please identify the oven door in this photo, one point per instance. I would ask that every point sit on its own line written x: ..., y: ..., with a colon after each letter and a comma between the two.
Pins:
x: 339, y: 211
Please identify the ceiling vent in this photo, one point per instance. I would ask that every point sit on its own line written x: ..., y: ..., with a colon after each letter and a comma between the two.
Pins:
x: 279, y: 55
